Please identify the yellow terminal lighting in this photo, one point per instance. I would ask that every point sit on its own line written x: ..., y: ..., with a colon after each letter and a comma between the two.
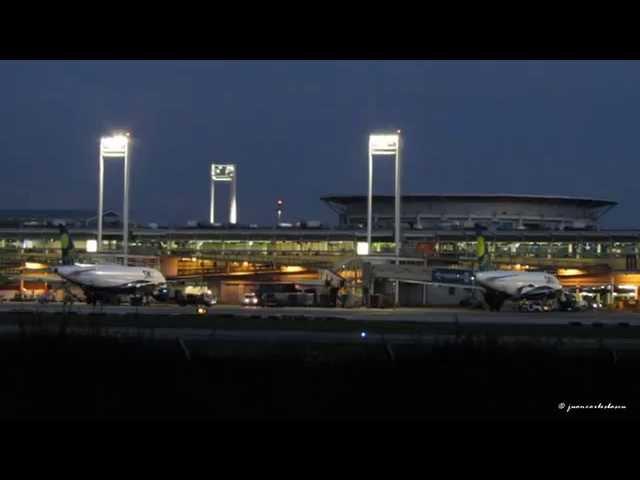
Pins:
x: 292, y: 269
x: 35, y: 266
x: 570, y: 272
x: 362, y: 248
x: 92, y: 246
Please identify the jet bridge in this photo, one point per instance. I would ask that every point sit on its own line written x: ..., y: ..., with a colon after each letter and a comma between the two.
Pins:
x: 419, y: 285
x: 331, y: 278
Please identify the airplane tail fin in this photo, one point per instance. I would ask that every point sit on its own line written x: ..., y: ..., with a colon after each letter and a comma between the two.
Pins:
x: 66, y: 245
x: 482, y: 254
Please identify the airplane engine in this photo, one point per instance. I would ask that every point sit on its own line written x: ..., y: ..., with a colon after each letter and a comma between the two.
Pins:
x: 161, y: 294
x: 532, y: 292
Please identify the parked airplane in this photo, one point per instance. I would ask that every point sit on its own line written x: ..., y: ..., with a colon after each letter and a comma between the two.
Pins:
x: 101, y: 283
x: 497, y: 286
x: 501, y: 285
x: 104, y: 283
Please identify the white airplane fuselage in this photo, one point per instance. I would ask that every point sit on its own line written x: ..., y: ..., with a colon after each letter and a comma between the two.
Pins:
x: 115, y: 278
x: 518, y: 285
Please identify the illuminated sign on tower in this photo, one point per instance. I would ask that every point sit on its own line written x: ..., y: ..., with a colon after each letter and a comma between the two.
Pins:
x: 224, y: 173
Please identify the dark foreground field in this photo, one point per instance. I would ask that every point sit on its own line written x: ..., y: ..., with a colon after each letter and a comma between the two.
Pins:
x: 67, y: 376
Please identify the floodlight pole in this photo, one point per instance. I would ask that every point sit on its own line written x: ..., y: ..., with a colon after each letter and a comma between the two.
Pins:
x: 125, y: 208
x: 370, y: 203
x: 100, y: 198
x: 398, y: 212
x: 233, y: 201
x: 386, y: 149
x: 212, y: 209
x: 111, y: 152
x: 398, y: 238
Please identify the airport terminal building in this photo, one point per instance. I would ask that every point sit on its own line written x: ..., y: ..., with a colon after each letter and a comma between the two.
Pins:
x: 554, y: 233
x: 459, y: 211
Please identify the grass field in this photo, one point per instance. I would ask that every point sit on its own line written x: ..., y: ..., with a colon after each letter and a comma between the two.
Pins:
x: 99, y: 322
x: 92, y: 376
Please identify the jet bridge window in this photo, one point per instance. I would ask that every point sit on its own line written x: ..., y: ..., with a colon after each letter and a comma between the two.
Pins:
x: 452, y: 290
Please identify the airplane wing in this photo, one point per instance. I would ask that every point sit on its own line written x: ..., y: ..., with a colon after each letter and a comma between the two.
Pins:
x: 39, y: 278
x: 51, y: 280
x: 537, y: 292
x: 440, y: 284
x: 137, y: 284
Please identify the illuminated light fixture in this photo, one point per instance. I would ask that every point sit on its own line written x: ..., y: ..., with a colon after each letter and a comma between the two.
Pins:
x: 292, y: 269
x: 362, y: 248
x: 115, y: 146
x: 34, y: 266
x: 27, y: 244
x: 224, y: 173
x: 386, y: 144
x: 569, y: 272
x: 92, y: 246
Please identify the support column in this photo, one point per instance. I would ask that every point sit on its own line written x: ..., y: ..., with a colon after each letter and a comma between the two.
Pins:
x: 125, y: 226
x: 398, y: 213
x: 233, y: 209
x: 212, y: 211
x: 370, y: 203
x: 100, y: 199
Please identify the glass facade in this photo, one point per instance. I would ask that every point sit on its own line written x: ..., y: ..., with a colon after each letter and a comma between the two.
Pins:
x: 535, y: 249
x: 497, y: 248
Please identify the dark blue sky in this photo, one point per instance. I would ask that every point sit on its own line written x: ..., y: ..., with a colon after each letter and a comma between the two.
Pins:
x: 298, y: 130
